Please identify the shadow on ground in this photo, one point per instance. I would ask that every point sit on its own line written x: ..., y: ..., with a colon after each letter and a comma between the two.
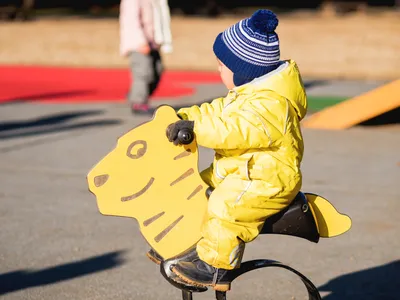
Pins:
x: 23, y: 279
x: 389, y: 118
x: 312, y: 83
x: 52, y: 123
x: 380, y: 282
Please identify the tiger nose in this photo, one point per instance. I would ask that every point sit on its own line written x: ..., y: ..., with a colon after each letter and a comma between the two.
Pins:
x: 100, y: 180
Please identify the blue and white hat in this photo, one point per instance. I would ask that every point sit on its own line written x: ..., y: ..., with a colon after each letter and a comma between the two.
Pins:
x: 250, y: 48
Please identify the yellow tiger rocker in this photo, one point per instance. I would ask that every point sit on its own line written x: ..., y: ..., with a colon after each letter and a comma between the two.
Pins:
x: 148, y: 178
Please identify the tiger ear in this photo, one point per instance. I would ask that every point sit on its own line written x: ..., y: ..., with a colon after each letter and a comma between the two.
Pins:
x: 164, y: 113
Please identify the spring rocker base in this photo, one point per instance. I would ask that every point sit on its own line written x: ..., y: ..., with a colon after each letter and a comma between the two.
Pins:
x: 248, y: 266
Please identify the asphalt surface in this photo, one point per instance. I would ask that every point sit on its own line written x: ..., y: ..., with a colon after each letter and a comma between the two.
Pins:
x: 54, y: 244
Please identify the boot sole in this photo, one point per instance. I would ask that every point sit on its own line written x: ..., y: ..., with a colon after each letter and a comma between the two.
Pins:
x: 153, y: 259
x: 220, y: 287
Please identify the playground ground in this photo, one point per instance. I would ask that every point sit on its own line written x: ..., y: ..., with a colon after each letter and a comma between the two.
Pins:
x: 56, y: 245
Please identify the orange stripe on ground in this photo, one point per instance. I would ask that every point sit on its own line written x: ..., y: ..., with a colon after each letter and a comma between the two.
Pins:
x: 358, y: 109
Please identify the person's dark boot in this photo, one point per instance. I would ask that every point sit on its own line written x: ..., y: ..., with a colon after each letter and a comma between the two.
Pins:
x: 141, y: 109
x: 198, y: 273
x: 157, y: 258
x: 166, y: 270
x: 154, y: 256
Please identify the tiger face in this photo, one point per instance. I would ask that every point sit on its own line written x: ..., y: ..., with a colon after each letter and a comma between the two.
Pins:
x: 148, y: 178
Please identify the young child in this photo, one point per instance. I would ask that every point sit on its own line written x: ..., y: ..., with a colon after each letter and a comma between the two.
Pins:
x: 255, y: 131
x: 144, y: 30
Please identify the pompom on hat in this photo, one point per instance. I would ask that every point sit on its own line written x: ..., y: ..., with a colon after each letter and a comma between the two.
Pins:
x: 250, y: 48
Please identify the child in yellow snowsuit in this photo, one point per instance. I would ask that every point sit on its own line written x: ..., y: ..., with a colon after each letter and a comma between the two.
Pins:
x: 255, y: 132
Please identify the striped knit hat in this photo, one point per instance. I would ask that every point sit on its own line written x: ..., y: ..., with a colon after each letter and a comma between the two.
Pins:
x: 250, y: 48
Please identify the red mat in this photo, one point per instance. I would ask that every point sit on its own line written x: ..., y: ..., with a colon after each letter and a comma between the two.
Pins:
x: 66, y: 85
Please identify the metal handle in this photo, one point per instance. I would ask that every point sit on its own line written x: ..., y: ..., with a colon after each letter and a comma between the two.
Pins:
x: 185, y: 136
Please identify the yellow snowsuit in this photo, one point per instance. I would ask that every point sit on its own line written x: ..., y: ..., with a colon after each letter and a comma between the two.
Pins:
x: 258, y: 145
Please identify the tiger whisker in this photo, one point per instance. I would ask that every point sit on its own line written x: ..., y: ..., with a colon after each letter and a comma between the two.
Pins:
x: 195, y: 191
x: 185, y: 153
x: 163, y: 233
x: 153, y: 218
x: 183, y: 176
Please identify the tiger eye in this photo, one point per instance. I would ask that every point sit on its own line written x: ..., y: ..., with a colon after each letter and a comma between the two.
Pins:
x: 137, y: 149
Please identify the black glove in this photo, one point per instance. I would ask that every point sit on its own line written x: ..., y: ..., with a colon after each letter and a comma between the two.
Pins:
x: 174, y: 128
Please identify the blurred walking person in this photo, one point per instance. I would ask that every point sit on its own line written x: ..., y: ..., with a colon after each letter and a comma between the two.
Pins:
x: 144, y: 33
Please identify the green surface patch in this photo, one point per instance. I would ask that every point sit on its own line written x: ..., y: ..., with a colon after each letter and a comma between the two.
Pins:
x: 317, y: 103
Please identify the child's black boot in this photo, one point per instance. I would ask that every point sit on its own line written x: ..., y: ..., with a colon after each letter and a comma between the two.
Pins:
x: 198, y: 273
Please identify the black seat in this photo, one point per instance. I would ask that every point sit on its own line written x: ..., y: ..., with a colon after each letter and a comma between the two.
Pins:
x: 295, y: 220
